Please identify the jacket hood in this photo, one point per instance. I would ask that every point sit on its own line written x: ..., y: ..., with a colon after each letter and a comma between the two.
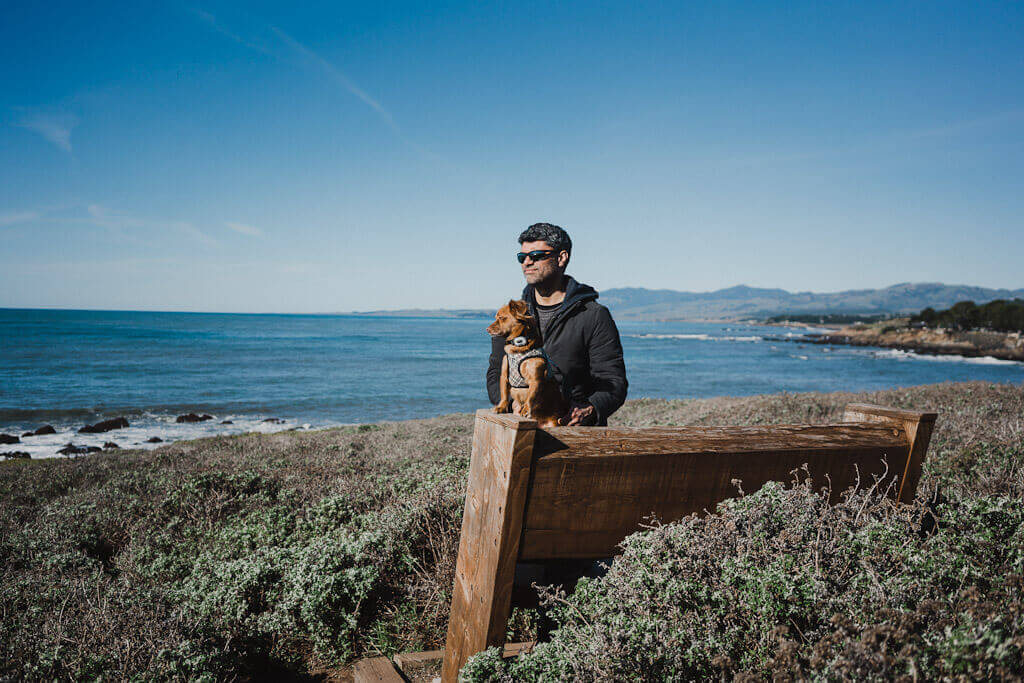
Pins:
x: 574, y: 292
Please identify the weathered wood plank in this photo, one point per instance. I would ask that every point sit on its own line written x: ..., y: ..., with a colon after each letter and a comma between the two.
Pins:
x: 860, y: 412
x: 918, y: 427
x: 583, y: 507
x: 510, y: 420
x: 579, y: 442
x: 590, y: 488
x: 491, y: 529
x: 376, y: 670
x: 409, y: 662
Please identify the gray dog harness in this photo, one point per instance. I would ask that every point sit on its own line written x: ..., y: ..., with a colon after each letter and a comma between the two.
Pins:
x: 515, y: 378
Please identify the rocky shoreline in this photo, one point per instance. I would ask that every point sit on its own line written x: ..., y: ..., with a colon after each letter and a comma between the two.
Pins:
x: 27, y: 441
x: 973, y: 344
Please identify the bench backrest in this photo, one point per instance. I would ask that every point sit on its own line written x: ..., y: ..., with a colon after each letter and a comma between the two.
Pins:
x: 577, y: 492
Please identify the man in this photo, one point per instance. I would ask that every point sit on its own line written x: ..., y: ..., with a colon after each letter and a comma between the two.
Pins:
x: 584, y: 355
x: 578, y: 334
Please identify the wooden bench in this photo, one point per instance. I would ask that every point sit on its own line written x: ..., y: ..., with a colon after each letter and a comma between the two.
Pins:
x: 577, y: 492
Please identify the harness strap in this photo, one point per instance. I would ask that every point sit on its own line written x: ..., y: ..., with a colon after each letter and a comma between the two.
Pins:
x: 515, y: 378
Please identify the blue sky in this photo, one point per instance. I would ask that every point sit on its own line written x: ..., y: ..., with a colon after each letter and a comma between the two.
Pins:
x: 326, y: 156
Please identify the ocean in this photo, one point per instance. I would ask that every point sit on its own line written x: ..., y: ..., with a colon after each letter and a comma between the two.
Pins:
x: 71, y: 368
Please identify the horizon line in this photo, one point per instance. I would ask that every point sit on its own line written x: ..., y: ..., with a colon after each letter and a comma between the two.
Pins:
x: 474, y: 309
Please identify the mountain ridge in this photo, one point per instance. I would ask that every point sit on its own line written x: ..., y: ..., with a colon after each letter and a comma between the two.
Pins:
x: 746, y: 302
x: 743, y: 301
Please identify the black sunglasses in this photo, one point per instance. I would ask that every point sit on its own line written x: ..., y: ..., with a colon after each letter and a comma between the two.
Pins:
x: 535, y: 256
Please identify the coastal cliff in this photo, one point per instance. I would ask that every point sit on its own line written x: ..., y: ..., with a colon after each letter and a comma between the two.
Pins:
x: 897, y: 334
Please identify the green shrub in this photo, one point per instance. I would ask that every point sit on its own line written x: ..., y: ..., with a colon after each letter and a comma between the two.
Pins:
x: 290, y: 554
x: 781, y: 584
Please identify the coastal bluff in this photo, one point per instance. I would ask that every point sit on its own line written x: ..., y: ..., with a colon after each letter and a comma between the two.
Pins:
x: 301, y: 552
x: 897, y: 334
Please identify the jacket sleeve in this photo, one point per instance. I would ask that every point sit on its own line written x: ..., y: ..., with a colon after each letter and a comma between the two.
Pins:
x: 607, y: 368
x: 494, y: 369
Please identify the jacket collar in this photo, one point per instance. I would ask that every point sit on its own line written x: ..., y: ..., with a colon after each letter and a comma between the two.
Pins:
x: 574, y: 292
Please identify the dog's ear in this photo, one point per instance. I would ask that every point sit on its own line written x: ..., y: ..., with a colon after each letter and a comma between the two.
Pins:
x: 518, y: 308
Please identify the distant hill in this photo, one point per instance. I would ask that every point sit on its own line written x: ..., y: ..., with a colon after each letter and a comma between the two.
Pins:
x: 743, y: 302
x: 633, y: 303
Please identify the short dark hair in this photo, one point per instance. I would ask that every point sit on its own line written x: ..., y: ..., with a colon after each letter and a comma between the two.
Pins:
x: 556, y: 238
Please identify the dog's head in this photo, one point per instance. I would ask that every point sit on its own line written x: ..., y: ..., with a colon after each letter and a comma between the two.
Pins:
x: 512, y: 320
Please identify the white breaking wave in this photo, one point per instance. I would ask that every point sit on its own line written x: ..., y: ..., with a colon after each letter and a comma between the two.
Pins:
x: 908, y: 355
x: 151, y: 425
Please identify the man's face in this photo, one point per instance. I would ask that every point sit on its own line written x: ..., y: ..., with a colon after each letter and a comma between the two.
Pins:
x: 545, y: 270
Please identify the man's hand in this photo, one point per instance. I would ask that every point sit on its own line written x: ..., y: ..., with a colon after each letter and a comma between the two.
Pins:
x: 584, y: 415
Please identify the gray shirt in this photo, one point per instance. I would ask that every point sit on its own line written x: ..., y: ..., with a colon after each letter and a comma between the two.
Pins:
x: 544, y: 316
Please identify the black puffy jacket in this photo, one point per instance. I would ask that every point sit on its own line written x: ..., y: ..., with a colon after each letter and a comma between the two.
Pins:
x: 583, y: 345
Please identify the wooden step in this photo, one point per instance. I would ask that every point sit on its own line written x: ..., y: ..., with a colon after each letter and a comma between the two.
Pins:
x: 407, y: 664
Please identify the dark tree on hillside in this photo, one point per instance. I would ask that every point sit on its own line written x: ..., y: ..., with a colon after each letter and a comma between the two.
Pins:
x: 999, y: 315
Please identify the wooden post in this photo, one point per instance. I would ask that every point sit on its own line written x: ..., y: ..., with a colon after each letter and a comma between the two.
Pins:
x: 918, y: 427
x: 492, y: 522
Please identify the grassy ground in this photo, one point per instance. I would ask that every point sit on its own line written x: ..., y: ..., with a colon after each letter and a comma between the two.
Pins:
x: 294, y: 553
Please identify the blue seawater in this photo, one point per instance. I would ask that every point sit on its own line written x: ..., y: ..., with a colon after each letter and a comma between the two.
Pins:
x: 69, y: 368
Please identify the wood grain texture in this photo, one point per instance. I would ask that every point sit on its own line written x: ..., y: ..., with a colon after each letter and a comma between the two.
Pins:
x: 591, y: 487
x: 409, y: 662
x: 918, y: 427
x: 491, y: 529
x: 376, y: 670
x: 510, y: 420
x: 582, y: 442
x: 862, y: 412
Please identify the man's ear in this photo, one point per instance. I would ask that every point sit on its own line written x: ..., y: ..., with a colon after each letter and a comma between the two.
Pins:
x: 563, y: 258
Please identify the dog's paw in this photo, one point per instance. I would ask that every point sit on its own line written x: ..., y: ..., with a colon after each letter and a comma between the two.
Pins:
x: 502, y: 408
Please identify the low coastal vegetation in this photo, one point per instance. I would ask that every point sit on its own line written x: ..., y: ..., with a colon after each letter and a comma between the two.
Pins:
x: 291, y: 554
x: 999, y: 316
x: 993, y: 330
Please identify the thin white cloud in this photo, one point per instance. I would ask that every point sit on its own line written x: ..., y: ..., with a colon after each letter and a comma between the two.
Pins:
x: 116, y: 223
x: 311, y: 57
x: 244, y: 229
x: 17, y: 217
x: 54, y: 128
x: 127, y: 226
x: 194, y: 232
x: 335, y: 74
x: 211, y: 21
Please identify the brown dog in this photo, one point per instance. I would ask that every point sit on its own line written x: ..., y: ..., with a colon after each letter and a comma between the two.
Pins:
x: 524, y: 371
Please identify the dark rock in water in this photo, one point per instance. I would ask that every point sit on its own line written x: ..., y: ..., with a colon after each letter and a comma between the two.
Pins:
x: 105, y: 426
x: 9, y: 438
x: 110, y: 445
x: 72, y: 449
x: 27, y: 434
x: 154, y: 439
x: 275, y: 420
x: 21, y: 455
x: 192, y: 417
x: 227, y: 422
x: 93, y: 449
x: 45, y: 429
